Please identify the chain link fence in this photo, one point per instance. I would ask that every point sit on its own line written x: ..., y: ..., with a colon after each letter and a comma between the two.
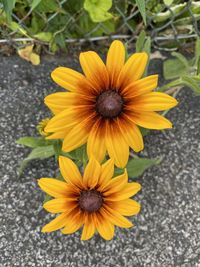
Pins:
x: 169, y: 24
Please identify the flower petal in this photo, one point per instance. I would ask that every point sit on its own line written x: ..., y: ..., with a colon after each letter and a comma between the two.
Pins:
x: 91, y: 173
x: 59, y: 205
x: 60, y: 101
x: 107, y: 171
x: 115, y: 217
x: 115, y: 61
x: 96, y: 141
x: 73, y: 222
x: 67, y: 78
x: 116, y: 184
x: 104, y: 227
x: 127, y: 207
x: 55, y: 188
x: 128, y: 191
x: 133, y: 69
x: 131, y: 133
x: 70, y: 172
x: 140, y: 87
x: 150, y: 120
x: 58, y: 134
x: 120, y: 153
x: 56, y: 224
x: 78, y: 135
x: 155, y: 101
x: 89, y: 227
x: 95, y: 70
x: 63, y: 120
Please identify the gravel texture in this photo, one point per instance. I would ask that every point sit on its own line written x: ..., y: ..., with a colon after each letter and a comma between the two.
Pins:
x: 166, y: 232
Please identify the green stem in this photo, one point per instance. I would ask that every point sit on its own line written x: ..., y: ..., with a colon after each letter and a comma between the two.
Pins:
x: 170, y: 84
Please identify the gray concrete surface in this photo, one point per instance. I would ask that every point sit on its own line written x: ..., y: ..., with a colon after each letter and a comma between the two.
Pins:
x: 167, y: 231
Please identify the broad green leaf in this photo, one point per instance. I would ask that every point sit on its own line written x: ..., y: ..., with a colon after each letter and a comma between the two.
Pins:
x: 44, y: 36
x: 137, y: 166
x: 174, y: 68
x: 33, y: 141
x: 8, y: 7
x: 98, y: 9
x: 141, y: 7
x: 80, y: 154
x: 35, y: 3
x: 192, y: 83
x: 140, y: 41
x: 42, y: 152
x: 181, y: 58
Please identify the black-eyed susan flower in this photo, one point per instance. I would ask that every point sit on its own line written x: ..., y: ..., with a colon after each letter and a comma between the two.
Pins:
x: 106, y: 105
x: 96, y: 201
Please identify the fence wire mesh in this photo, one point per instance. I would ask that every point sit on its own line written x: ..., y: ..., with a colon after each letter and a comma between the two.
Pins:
x: 169, y: 23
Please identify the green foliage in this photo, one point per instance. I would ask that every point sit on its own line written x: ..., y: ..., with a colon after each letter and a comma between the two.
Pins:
x: 33, y: 141
x: 8, y: 7
x: 186, y: 71
x: 141, y: 7
x: 41, y: 152
x: 137, y: 166
x: 98, y: 9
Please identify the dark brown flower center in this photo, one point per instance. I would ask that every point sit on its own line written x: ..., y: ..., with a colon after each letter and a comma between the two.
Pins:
x: 109, y: 104
x: 90, y: 200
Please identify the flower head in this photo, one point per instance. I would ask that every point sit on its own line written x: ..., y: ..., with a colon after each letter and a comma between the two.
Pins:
x: 95, y: 201
x: 41, y: 126
x: 106, y: 105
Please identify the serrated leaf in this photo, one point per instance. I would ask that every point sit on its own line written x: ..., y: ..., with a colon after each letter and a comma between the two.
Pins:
x: 33, y: 141
x: 37, y: 153
x: 98, y: 9
x: 137, y: 166
x: 142, y: 9
x: 140, y: 41
x: 8, y: 7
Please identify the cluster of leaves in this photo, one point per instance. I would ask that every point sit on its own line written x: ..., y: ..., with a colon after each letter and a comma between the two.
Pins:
x: 43, y: 149
x: 183, y: 72
x: 51, y: 22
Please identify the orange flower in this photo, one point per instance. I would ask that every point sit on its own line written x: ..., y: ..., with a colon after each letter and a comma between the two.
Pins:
x: 106, y: 105
x: 94, y: 201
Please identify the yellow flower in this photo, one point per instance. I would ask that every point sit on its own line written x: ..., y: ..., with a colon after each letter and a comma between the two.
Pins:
x: 95, y: 201
x: 41, y: 126
x: 104, y: 106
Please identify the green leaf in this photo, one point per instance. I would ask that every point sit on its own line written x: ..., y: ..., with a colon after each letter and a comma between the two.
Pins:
x: 80, y: 154
x: 181, y: 58
x: 98, y: 9
x: 147, y: 49
x: 47, y: 6
x: 197, y: 55
x: 140, y: 41
x: 174, y: 68
x: 37, y: 153
x: 168, y: 2
x: 33, y: 141
x: 44, y: 36
x: 35, y: 3
x: 192, y: 83
x: 137, y: 166
x: 8, y: 7
x: 141, y: 7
